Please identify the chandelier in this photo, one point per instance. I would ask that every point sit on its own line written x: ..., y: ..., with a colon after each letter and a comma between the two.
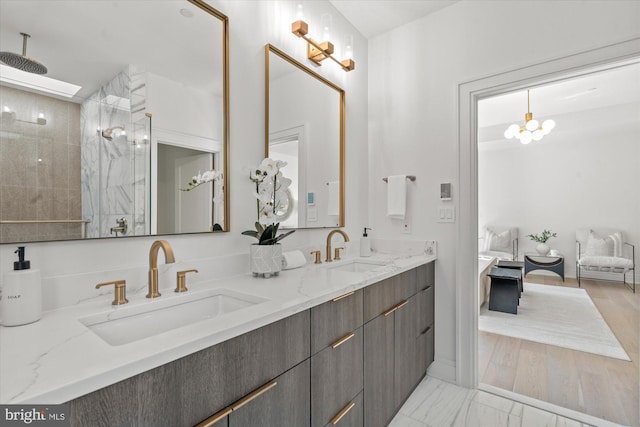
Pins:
x: 531, y: 130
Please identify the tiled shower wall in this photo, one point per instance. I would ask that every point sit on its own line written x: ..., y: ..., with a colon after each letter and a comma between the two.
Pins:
x: 39, y: 167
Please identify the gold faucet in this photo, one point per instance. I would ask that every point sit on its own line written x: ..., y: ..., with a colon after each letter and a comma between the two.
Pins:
x: 153, y: 265
x: 346, y: 239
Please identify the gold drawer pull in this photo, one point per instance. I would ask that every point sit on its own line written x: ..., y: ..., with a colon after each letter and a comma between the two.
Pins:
x: 402, y: 304
x: 256, y: 393
x: 343, y: 296
x: 215, y: 418
x: 335, y: 420
x: 391, y: 310
x: 343, y: 340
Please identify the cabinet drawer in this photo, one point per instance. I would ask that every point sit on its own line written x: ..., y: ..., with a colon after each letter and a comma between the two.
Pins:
x: 351, y: 415
x: 425, y: 308
x: 336, y: 377
x: 213, y: 378
x: 383, y: 295
x: 332, y: 320
x: 426, y: 276
x: 425, y: 349
x: 284, y: 404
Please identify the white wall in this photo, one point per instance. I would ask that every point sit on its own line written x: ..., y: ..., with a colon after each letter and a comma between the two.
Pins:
x: 414, y: 75
x: 252, y: 25
x: 582, y: 176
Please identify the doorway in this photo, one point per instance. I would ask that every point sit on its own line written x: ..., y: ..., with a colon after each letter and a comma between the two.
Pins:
x: 467, y: 246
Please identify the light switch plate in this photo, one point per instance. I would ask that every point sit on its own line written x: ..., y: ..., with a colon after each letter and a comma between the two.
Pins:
x: 446, y: 214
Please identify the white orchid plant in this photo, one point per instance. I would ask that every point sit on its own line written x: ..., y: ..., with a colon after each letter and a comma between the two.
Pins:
x: 203, y: 178
x: 271, y: 195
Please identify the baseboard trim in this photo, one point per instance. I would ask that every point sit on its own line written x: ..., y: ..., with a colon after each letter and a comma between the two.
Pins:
x: 549, y: 407
x: 444, y: 370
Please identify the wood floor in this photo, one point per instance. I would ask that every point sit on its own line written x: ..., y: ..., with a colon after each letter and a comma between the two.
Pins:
x: 596, y: 385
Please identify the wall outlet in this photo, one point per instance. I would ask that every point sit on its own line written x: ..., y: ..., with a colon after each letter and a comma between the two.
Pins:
x: 406, y: 228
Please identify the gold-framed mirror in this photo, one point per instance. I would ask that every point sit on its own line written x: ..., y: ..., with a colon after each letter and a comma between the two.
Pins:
x: 151, y: 114
x: 305, y: 127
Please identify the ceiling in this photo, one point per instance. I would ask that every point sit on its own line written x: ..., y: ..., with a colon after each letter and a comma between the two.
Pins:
x: 89, y: 42
x: 606, y: 98
x: 374, y: 17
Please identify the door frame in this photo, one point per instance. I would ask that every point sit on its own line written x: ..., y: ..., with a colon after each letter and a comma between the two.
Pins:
x: 469, y: 93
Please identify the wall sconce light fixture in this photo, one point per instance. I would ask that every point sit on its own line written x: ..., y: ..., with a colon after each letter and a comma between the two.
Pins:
x: 318, y: 52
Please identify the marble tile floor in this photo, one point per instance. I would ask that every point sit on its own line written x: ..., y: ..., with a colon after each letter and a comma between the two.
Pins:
x: 435, y: 403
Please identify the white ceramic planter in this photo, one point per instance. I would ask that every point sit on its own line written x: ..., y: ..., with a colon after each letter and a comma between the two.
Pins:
x: 542, y: 248
x: 266, y: 260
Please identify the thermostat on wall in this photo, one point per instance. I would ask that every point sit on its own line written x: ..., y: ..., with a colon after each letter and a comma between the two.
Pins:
x: 311, y: 199
x: 445, y: 191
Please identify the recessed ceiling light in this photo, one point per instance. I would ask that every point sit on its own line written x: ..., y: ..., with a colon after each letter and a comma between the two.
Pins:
x: 37, y: 82
x: 186, y: 13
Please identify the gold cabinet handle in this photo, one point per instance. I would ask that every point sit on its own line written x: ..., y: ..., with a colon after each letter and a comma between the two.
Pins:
x: 119, y: 291
x: 181, y: 280
x: 254, y: 394
x: 343, y: 296
x: 318, y: 255
x: 335, y: 420
x: 218, y: 416
x: 343, y: 340
x: 391, y: 310
x: 402, y: 304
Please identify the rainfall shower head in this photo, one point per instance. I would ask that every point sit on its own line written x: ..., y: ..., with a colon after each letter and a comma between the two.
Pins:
x: 23, y: 62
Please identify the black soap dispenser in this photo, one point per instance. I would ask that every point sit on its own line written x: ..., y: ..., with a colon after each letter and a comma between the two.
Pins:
x: 21, y: 300
x: 365, y: 243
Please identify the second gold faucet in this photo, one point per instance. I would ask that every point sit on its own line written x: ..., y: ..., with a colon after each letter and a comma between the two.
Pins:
x: 153, y: 264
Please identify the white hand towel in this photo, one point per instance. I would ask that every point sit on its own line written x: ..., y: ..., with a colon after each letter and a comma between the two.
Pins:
x: 397, y: 196
x: 293, y: 259
x: 333, y: 206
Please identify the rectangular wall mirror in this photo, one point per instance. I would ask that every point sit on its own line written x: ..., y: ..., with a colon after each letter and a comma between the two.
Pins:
x: 133, y: 106
x: 305, y: 119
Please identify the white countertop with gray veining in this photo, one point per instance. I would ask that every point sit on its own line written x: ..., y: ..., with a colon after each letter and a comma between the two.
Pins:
x: 58, y: 358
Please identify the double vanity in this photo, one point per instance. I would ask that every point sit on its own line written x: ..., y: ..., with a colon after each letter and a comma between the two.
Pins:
x: 345, y: 341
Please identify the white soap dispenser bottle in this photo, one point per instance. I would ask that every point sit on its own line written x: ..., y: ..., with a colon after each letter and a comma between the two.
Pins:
x: 365, y: 244
x: 21, y: 298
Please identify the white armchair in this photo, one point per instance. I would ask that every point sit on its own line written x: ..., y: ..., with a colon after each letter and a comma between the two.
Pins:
x: 605, y: 250
x: 499, y: 242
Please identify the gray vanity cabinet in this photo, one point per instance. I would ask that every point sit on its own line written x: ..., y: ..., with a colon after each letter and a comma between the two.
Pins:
x: 285, y: 402
x: 193, y: 388
x: 336, y: 377
x: 352, y: 415
x: 394, y: 353
x: 333, y: 319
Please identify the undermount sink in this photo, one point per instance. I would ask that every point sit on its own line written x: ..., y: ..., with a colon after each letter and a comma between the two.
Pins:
x: 356, y: 266
x: 129, y: 324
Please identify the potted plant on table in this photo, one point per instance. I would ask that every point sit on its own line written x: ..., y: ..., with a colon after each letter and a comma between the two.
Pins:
x: 271, y: 193
x: 542, y: 248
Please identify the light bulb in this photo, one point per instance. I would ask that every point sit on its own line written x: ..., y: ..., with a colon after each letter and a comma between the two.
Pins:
x: 41, y: 116
x: 537, y: 135
x: 123, y: 133
x: 348, y: 46
x: 532, y: 125
x: 511, y: 131
x: 300, y: 13
x: 526, y: 137
x: 6, y: 109
x: 547, y: 125
x: 326, y: 21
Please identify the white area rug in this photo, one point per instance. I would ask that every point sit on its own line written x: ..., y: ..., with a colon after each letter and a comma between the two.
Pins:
x: 555, y: 315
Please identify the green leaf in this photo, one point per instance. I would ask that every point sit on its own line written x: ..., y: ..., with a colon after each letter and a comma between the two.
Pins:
x: 282, y: 236
x: 251, y: 233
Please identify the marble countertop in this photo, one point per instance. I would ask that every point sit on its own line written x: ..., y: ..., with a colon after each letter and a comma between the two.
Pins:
x: 58, y: 358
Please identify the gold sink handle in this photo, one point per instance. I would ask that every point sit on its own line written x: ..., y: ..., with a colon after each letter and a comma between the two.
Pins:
x: 120, y: 291
x: 182, y: 280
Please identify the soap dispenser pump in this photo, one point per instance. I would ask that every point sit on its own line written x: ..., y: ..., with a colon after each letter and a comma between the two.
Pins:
x: 365, y: 243
x: 21, y: 298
